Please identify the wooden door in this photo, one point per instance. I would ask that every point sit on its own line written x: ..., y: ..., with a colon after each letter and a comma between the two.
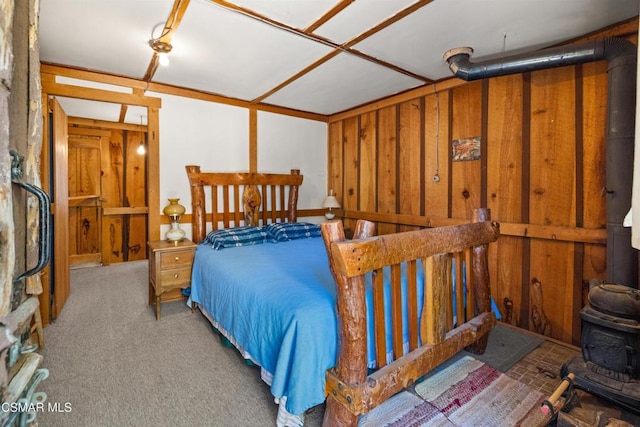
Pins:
x: 124, y: 197
x: 107, y: 192
x: 60, y: 287
x: 85, y: 200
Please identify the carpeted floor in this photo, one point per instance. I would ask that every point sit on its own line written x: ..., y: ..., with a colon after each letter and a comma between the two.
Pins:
x: 112, y: 363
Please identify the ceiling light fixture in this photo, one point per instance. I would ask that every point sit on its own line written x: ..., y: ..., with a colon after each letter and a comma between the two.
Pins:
x: 161, y: 49
x: 141, y: 148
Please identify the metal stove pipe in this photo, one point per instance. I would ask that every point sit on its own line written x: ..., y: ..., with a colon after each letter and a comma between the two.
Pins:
x: 620, y: 54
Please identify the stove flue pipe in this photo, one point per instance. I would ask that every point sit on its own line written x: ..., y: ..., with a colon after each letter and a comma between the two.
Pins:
x: 620, y: 54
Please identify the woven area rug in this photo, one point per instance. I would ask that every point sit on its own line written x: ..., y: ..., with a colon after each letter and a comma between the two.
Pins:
x: 463, y: 392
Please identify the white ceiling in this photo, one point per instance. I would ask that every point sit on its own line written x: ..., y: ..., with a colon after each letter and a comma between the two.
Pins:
x: 231, y: 52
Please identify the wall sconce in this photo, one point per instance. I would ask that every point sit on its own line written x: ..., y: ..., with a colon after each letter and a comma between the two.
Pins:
x: 330, y: 203
x: 174, y: 211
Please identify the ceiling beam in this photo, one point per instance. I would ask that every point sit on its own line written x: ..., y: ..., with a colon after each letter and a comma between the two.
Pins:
x: 123, y: 113
x: 170, y: 27
x: 339, y: 7
x: 139, y: 88
x: 296, y: 76
x: 384, y: 24
x: 88, y: 123
x: 346, y: 47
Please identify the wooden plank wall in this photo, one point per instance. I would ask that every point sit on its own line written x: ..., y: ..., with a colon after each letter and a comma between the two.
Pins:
x: 541, y: 173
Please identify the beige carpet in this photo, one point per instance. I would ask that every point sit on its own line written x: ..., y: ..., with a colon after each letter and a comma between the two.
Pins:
x: 113, y: 364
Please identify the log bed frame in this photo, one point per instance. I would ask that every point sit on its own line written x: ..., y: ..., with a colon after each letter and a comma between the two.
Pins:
x: 350, y: 391
x: 276, y: 188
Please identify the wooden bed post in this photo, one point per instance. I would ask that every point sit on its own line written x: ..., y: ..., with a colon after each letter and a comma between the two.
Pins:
x: 351, y: 363
x: 481, y: 291
x: 198, y: 218
x: 292, y: 211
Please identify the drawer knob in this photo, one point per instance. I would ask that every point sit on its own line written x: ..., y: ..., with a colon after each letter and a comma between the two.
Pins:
x: 177, y: 258
x: 176, y: 275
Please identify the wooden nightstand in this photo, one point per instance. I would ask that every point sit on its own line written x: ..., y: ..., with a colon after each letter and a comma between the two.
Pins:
x: 169, y: 268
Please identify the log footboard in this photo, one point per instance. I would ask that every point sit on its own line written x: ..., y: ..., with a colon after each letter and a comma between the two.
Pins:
x: 449, y: 263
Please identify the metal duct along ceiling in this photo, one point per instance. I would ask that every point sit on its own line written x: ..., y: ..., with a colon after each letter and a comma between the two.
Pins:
x: 620, y: 54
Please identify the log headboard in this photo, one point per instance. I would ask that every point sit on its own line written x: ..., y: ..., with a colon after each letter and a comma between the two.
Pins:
x: 241, y: 198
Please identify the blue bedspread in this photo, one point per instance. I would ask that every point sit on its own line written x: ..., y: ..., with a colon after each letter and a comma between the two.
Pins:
x: 278, y: 302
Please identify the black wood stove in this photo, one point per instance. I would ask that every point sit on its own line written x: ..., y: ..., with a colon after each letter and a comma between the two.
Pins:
x: 610, y: 366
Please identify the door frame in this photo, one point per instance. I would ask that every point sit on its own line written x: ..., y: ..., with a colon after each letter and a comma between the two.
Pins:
x: 50, y: 89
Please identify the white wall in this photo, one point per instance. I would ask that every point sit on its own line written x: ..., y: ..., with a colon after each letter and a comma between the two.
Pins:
x: 216, y: 137
x: 286, y: 143
x: 192, y: 132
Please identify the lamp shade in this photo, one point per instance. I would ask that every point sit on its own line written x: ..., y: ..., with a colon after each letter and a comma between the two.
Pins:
x: 174, y: 209
x: 330, y: 202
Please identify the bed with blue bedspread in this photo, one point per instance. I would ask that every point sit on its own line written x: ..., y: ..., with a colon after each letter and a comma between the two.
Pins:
x: 287, y: 323
x: 277, y: 302
x: 317, y: 313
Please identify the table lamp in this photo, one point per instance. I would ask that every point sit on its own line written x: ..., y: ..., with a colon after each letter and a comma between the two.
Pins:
x: 174, y: 211
x: 330, y: 203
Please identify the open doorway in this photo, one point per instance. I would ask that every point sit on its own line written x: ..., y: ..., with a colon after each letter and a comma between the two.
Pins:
x: 98, y: 180
x: 106, y: 168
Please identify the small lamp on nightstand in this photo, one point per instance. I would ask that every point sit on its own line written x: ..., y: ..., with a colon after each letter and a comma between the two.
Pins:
x: 174, y: 211
x: 330, y: 203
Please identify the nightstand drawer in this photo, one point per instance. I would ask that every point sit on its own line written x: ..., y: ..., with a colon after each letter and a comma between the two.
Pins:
x: 175, y: 276
x: 176, y: 258
x: 169, y: 270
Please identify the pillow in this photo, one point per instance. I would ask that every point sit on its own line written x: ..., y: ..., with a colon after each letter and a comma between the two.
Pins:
x: 238, y: 236
x: 283, y: 231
